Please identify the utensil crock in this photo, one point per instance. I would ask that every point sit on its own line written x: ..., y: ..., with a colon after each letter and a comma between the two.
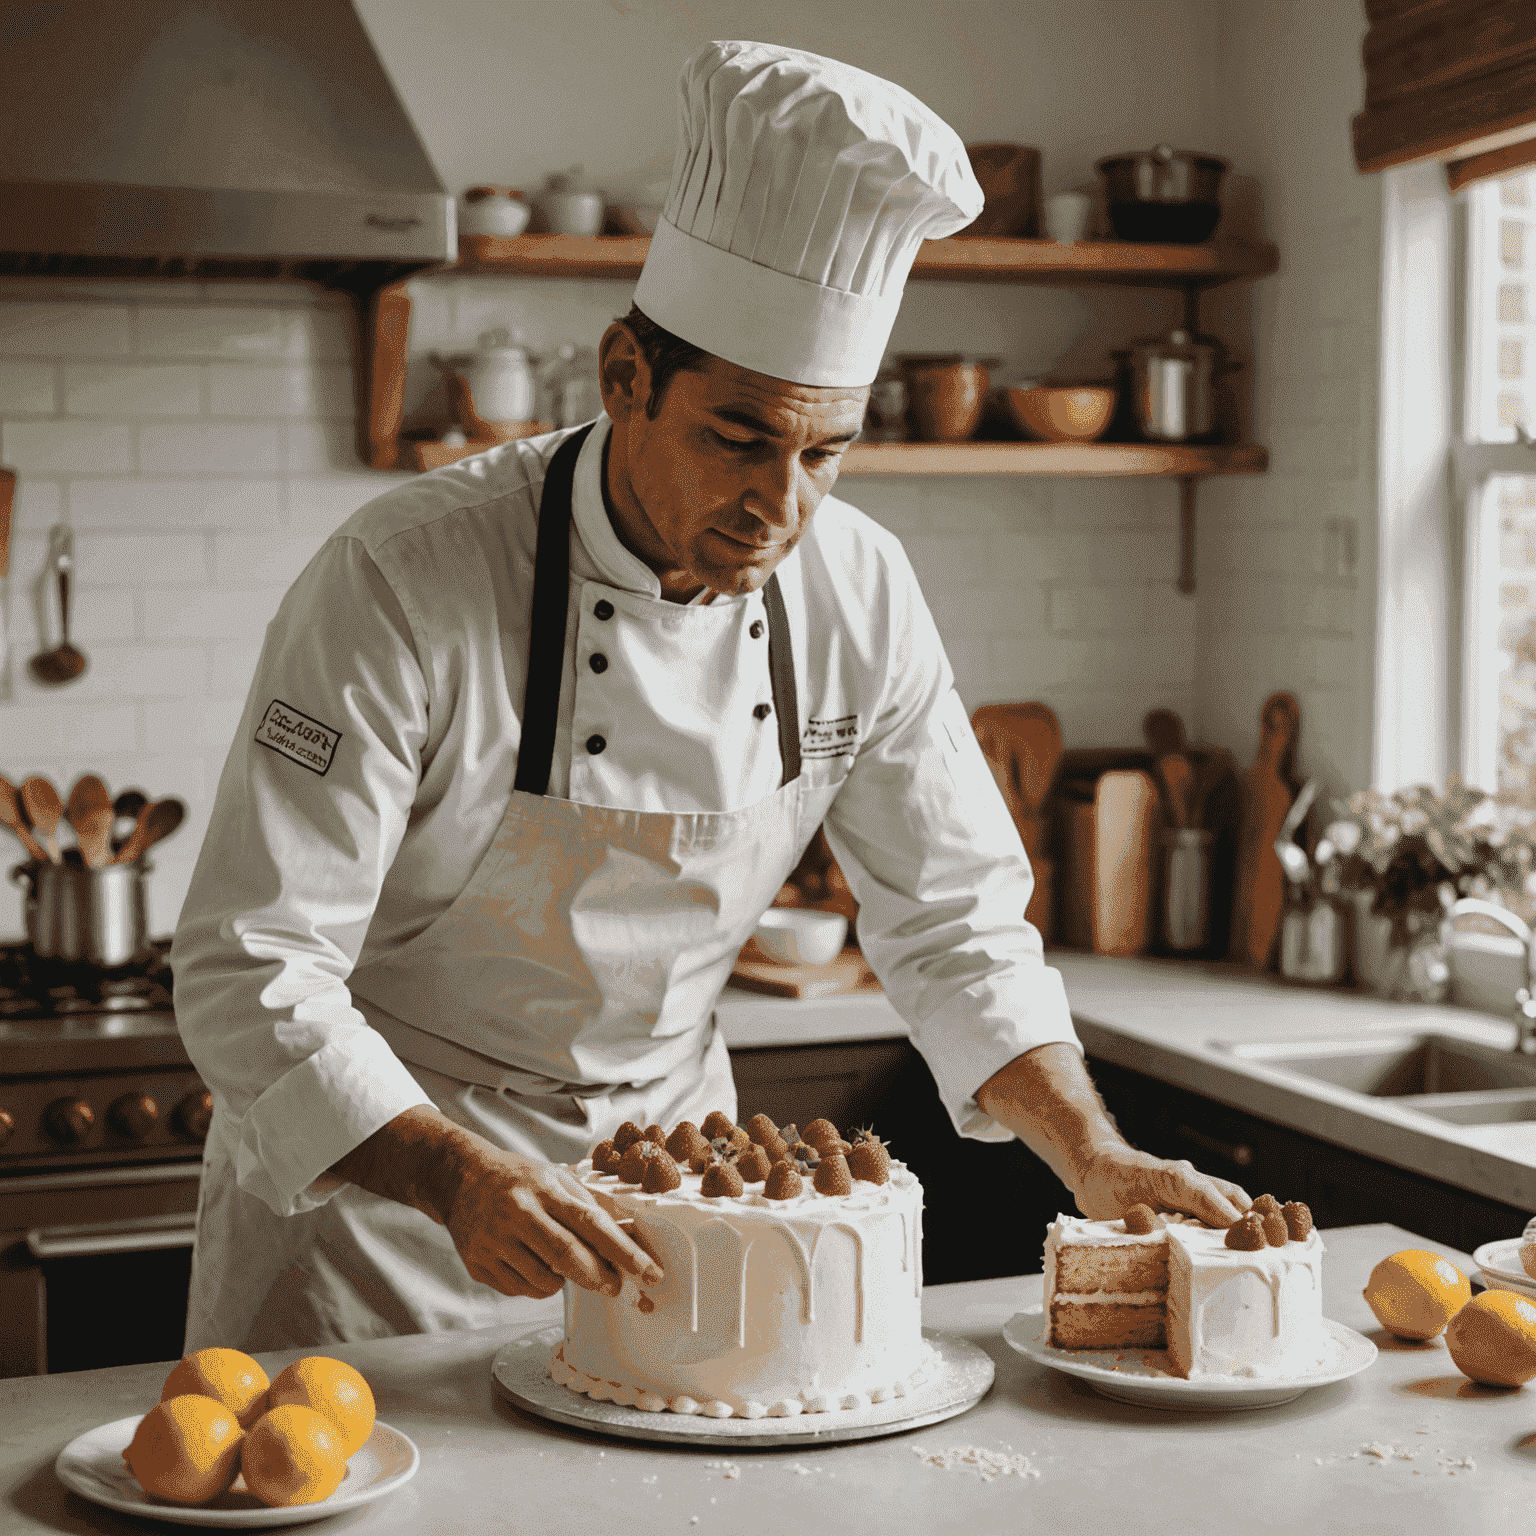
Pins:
x: 75, y: 913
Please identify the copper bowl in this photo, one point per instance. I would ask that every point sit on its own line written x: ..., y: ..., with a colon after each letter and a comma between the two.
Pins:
x: 946, y: 396
x: 1068, y: 413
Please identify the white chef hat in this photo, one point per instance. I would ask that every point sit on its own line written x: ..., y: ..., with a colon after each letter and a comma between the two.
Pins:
x: 801, y: 192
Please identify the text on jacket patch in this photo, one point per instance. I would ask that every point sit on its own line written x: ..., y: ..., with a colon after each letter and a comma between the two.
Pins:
x: 830, y: 738
x: 289, y: 731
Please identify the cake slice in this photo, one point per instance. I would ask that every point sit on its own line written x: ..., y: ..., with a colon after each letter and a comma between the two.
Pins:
x: 1105, y: 1287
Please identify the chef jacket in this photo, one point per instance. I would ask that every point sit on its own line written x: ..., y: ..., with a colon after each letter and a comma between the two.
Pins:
x: 378, y: 749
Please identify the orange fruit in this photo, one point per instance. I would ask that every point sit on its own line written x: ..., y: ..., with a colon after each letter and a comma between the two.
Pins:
x: 186, y: 1448
x: 1414, y: 1293
x: 1493, y: 1339
x: 293, y: 1455
x: 227, y: 1377
x: 330, y: 1387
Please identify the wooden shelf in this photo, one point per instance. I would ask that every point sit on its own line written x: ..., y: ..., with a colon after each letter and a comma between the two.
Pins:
x: 959, y: 259
x: 1162, y: 460
x: 1147, y: 460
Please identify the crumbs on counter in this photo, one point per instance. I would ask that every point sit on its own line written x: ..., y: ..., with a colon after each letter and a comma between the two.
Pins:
x: 989, y: 1464
x: 1376, y: 1453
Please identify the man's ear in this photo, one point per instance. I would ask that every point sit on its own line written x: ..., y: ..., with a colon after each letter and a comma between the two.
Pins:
x: 623, y: 375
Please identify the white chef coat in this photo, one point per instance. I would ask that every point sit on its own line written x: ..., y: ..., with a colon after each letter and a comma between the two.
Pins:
x: 395, y: 670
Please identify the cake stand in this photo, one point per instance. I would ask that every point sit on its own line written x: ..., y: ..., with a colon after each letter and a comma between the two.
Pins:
x: 959, y: 1376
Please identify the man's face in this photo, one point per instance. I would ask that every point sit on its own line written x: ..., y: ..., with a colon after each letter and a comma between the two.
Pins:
x: 722, y: 484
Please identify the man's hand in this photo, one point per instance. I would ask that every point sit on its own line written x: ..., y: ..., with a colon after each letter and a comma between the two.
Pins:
x: 520, y: 1225
x: 1119, y: 1177
x: 526, y: 1228
x: 1046, y: 1098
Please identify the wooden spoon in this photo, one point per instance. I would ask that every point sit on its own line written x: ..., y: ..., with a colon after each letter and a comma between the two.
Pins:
x: 1259, y: 889
x: 1177, y: 774
x: 125, y: 815
x: 11, y: 816
x: 42, y: 807
x: 1164, y: 731
x: 89, y: 811
x: 158, y: 819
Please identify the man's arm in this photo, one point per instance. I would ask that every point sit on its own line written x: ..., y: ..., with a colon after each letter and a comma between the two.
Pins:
x: 520, y: 1225
x: 1046, y: 1098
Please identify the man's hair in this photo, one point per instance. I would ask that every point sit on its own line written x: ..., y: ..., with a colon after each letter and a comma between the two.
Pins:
x: 665, y: 355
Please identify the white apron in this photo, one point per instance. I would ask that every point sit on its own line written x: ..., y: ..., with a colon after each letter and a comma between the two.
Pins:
x: 568, y: 988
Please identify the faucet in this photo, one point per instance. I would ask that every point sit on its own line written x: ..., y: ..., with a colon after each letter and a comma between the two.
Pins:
x: 1525, y: 997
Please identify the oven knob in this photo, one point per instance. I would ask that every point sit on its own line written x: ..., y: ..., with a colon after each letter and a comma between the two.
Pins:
x: 69, y: 1121
x: 7, y: 1125
x: 134, y: 1115
x: 194, y: 1114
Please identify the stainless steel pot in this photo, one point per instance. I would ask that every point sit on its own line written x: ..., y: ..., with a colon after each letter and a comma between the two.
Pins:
x: 1173, y: 387
x: 76, y: 913
x: 1163, y: 194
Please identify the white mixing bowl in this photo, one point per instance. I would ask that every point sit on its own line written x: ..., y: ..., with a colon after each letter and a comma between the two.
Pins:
x: 800, y: 935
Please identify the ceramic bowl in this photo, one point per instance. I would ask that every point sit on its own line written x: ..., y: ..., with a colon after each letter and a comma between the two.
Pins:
x: 800, y: 936
x: 1076, y: 413
x: 573, y: 213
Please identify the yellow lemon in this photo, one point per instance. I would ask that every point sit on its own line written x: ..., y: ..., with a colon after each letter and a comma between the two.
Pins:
x: 330, y: 1387
x: 186, y: 1448
x: 225, y: 1375
x: 1493, y: 1339
x: 293, y: 1455
x: 1414, y: 1293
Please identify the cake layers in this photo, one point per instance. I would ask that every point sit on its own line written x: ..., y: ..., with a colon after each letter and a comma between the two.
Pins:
x: 1105, y: 1288
x: 1233, y: 1312
x: 768, y: 1306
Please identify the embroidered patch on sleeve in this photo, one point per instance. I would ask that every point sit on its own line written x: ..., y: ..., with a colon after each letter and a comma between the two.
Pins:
x: 830, y: 738
x: 287, y: 730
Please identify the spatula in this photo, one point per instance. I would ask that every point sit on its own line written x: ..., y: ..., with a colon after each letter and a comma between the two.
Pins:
x: 1177, y: 776
x: 11, y: 816
x: 89, y: 811
x: 43, y: 809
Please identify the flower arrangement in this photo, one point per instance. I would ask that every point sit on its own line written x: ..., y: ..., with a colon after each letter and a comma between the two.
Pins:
x: 1419, y: 851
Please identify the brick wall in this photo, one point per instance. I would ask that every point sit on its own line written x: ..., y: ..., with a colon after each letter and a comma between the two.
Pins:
x: 199, y: 440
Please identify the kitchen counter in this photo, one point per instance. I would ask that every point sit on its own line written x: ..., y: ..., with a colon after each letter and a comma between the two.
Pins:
x: 1160, y: 1017
x: 1101, y: 1465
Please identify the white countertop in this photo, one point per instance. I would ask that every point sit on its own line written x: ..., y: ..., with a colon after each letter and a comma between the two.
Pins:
x: 1102, y: 1465
x: 1161, y: 1017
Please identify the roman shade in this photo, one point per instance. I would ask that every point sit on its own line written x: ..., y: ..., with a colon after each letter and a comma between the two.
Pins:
x: 1450, y: 80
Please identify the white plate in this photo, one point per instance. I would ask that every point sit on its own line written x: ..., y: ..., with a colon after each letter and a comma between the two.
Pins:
x: 1142, y: 1376
x: 92, y: 1465
x: 1500, y: 1266
x: 959, y: 1376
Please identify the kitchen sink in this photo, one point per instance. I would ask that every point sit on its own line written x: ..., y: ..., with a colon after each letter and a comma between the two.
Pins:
x: 1501, y: 1106
x: 1406, y: 1066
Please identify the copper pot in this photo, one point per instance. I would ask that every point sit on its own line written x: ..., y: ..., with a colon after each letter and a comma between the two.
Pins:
x: 946, y: 395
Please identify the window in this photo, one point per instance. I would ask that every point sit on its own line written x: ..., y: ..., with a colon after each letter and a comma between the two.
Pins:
x: 1493, y: 463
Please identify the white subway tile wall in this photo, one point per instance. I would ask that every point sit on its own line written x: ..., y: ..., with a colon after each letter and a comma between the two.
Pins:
x: 199, y: 439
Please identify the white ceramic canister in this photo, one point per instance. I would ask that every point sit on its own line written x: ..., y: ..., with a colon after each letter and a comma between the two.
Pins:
x: 497, y: 211
x: 500, y: 380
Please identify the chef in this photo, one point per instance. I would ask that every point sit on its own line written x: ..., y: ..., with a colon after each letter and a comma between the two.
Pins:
x: 535, y: 739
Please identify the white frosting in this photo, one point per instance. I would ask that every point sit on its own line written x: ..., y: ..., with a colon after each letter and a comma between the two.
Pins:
x: 1231, y: 1312
x: 769, y: 1307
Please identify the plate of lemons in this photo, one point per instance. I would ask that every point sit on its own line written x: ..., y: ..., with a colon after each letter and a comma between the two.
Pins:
x: 225, y: 1446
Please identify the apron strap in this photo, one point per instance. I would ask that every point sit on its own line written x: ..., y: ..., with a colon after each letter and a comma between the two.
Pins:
x: 546, y: 636
x: 546, y: 627
x: 781, y: 672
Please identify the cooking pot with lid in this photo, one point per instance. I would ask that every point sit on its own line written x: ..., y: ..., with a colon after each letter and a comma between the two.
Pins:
x: 1172, y: 390
x: 1163, y: 194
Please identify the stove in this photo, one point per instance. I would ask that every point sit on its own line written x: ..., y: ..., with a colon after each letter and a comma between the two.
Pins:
x: 92, y: 1069
x: 102, y: 1120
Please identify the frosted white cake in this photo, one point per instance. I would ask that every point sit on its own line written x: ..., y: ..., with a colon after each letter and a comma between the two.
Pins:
x: 769, y: 1307
x: 1218, y: 1311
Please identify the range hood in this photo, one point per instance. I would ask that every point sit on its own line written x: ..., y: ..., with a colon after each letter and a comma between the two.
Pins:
x: 207, y: 139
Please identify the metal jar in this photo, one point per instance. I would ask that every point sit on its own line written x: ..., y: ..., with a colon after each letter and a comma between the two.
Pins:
x: 1173, y: 387
x: 75, y: 913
